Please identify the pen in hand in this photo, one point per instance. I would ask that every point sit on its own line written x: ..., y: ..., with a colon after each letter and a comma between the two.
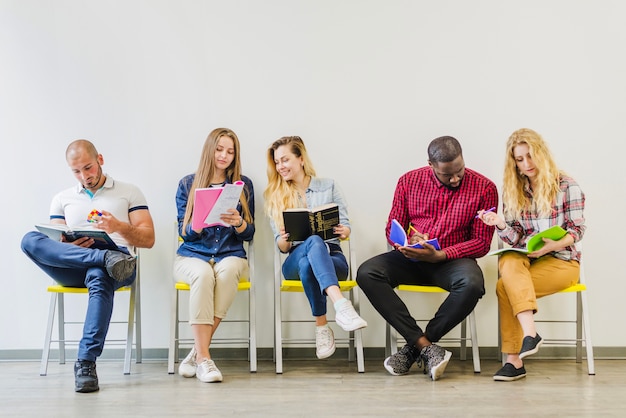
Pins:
x: 488, y: 210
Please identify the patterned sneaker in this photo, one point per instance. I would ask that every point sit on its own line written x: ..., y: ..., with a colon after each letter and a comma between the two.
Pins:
x: 324, y: 342
x: 347, y: 318
x: 530, y: 345
x: 188, y: 366
x: 400, y: 363
x: 435, y: 360
x: 208, y: 372
x: 509, y: 373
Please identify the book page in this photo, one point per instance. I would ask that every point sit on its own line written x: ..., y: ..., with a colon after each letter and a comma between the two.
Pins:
x: 228, y: 198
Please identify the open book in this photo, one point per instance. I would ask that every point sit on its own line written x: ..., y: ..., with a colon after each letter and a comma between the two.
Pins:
x: 301, y: 223
x: 536, y: 241
x: 398, y: 236
x: 211, y: 202
x: 102, y: 240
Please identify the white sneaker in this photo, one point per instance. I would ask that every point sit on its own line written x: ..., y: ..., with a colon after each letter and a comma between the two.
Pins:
x: 324, y: 342
x: 348, y: 319
x: 188, y: 366
x: 208, y: 372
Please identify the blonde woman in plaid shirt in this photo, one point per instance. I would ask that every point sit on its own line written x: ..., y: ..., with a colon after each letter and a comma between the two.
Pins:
x: 536, y: 196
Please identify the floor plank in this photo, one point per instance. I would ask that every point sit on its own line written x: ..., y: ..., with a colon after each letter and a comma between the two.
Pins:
x: 323, y: 388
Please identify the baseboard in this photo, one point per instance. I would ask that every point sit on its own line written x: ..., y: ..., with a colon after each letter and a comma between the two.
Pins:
x: 298, y: 353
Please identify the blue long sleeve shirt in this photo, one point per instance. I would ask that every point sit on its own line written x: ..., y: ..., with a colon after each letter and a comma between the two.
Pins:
x: 215, y: 242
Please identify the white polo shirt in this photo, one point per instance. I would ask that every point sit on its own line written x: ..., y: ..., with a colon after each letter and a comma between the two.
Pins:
x: 75, y: 204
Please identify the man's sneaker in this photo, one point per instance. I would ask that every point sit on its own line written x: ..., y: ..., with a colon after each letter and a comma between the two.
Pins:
x: 530, y: 345
x: 347, y: 318
x: 401, y: 362
x: 508, y: 373
x: 324, y: 342
x: 435, y: 360
x: 120, y: 266
x: 85, y: 377
x: 208, y: 372
x: 188, y: 366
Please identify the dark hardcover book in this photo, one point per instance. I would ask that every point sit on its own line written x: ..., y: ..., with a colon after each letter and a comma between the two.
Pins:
x: 102, y: 240
x: 301, y: 223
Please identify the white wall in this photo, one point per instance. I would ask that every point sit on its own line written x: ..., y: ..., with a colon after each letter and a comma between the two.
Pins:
x: 367, y: 84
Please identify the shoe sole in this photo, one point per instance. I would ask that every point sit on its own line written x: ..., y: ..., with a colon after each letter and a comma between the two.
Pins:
x: 212, y: 380
x: 123, y: 269
x: 183, y: 374
x: 531, y: 352
x: 437, y: 371
x: 390, y: 369
x: 508, y: 378
x: 327, y: 354
x: 87, y: 389
x: 354, y: 327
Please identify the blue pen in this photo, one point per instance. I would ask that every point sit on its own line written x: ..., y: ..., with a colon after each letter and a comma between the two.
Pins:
x: 488, y: 210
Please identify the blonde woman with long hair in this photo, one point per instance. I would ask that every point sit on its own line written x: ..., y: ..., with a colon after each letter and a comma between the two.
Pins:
x: 536, y: 196
x: 212, y: 259
x: 319, y: 265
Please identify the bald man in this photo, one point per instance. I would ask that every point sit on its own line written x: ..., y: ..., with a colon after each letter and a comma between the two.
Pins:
x: 122, y: 212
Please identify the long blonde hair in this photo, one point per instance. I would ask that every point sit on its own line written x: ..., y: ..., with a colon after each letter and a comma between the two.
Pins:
x: 206, y: 170
x: 280, y: 194
x: 547, y: 183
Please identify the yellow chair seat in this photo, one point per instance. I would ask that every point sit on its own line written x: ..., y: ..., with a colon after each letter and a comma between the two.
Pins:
x: 296, y: 285
x: 57, y: 288
x: 242, y: 286
x: 421, y: 289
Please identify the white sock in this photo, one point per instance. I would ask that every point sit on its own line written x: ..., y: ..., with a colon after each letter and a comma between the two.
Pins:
x: 340, y: 303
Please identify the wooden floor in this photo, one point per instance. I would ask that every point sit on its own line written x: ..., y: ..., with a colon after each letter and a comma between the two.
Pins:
x: 317, y: 388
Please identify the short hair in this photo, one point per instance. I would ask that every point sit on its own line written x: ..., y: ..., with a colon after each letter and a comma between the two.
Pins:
x: 444, y: 149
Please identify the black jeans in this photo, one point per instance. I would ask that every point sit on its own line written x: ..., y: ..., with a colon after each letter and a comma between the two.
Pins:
x: 463, y: 278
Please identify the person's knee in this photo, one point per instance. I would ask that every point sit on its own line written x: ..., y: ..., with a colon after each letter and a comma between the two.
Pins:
x: 28, y: 242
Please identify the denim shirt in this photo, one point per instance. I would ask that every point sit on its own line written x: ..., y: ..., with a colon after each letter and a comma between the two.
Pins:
x: 320, y: 192
x: 215, y: 242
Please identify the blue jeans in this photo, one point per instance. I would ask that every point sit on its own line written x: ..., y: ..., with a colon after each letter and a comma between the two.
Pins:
x: 318, y: 268
x: 74, y: 266
x: 463, y: 278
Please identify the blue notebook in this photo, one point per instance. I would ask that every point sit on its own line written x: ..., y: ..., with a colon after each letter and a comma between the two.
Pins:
x: 398, y: 236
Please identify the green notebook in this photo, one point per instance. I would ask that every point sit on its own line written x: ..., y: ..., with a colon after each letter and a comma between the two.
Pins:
x: 536, y: 242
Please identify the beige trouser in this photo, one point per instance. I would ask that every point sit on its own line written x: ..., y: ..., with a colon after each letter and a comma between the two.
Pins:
x: 212, y: 286
x: 521, y: 283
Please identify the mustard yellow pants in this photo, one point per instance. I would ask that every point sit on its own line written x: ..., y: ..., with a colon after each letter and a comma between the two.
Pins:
x: 522, y: 281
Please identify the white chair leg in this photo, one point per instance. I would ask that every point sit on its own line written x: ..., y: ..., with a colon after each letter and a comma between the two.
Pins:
x: 463, y: 341
x: 475, y: 347
x: 131, y: 330
x: 137, y: 299
x: 252, y: 354
x: 45, y: 355
x: 172, y: 353
x: 61, y: 316
x: 587, y: 333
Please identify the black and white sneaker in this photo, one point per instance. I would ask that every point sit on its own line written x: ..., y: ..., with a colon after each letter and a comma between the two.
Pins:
x: 400, y: 363
x: 530, y: 346
x: 435, y: 360
x: 509, y: 373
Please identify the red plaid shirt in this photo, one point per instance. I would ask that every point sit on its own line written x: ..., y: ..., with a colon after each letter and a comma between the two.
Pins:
x: 448, y: 215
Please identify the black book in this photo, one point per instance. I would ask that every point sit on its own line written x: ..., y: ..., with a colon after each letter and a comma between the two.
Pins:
x: 301, y: 223
x: 102, y: 240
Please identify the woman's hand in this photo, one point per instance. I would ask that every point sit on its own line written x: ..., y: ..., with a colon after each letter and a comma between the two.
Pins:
x: 341, y: 230
x: 232, y: 218
x: 492, y: 219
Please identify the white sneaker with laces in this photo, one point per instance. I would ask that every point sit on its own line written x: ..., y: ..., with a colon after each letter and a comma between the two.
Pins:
x: 347, y: 318
x: 208, y: 372
x: 324, y: 342
x: 188, y: 366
